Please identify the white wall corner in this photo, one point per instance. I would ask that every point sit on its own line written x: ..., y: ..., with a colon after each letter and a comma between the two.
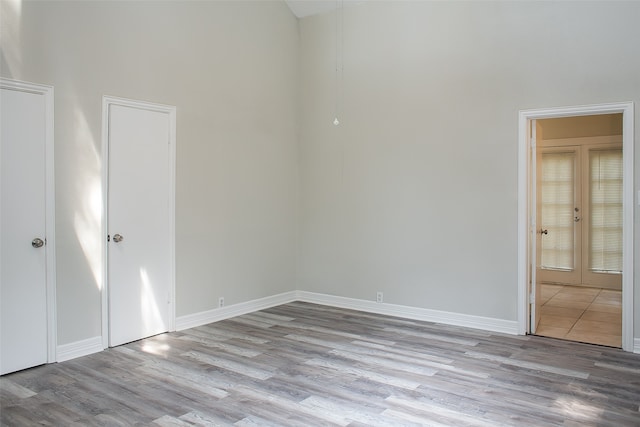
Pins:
x: 79, y: 348
x: 413, y: 313
x: 636, y: 345
x: 217, y: 314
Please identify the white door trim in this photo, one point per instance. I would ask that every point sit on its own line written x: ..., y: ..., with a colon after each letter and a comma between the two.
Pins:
x: 524, y: 207
x: 50, y: 200
x: 107, y: 101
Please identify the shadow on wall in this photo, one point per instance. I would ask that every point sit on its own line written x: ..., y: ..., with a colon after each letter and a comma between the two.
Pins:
x: 10, y: 50
x: 4, y: 66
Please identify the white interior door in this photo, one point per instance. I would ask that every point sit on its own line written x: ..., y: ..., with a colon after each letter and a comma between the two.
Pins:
x: 26, y: 242
x: 535, y: 194
x: 139, y: 221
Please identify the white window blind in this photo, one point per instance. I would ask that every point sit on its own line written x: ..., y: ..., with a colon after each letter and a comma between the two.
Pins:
x: 558, y: 202
x: 606, y: 210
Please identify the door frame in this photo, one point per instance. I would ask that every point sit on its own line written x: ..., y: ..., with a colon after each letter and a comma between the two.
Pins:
x: 107, y: 101
x: 50, y: 207
x: 525, y: 208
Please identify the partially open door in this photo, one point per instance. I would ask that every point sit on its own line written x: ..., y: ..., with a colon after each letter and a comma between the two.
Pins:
x: 536, y: 229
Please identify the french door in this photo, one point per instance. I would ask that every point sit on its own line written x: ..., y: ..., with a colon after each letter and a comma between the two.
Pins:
x: 581, y: 215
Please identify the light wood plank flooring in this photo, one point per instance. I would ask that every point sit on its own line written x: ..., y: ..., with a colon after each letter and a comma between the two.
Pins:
x: 302, y: 364
x: 584, y: 314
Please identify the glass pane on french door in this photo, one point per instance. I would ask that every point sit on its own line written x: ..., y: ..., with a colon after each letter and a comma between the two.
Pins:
x: 560, y: 199
x: 605, y: 218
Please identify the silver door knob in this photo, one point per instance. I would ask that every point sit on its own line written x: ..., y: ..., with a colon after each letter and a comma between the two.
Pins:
x: 117, y: 238
x: 37, y: 243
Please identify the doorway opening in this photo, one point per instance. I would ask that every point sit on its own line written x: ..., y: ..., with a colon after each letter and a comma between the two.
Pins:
x: 575, y: 249
x: 579, y: 214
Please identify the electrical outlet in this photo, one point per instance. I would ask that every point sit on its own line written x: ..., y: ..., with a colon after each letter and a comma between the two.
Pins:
x: 379, y: 297
x: 221, y: 302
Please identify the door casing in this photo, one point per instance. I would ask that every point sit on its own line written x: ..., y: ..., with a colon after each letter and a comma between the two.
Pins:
x: 48, y: 93
x: 526, y: 235
x: 107, y: 101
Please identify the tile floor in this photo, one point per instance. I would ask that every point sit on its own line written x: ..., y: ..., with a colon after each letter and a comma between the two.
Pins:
x: 582, y: 314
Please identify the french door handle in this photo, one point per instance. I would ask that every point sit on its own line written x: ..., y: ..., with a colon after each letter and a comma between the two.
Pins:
x: 118, y: 238
x: 544, y: 231
x: 37, y: 242
x: 576, y: 218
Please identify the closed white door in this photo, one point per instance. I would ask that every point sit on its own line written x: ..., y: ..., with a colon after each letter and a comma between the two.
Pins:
x: 139, y: 254
x: 24, y: 311
x: 581, y: 209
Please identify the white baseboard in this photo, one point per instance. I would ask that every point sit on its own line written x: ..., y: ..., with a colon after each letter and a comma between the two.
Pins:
x: 414, y: 313
x: 79, y: 348
x: 217, y: 314
x: 94, y: 345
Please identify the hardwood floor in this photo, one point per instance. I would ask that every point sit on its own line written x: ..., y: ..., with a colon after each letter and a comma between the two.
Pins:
x: 302, y: 364
x: 584, y: 314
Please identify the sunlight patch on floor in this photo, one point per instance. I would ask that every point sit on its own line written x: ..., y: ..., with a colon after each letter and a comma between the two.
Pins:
x: 578, y: 409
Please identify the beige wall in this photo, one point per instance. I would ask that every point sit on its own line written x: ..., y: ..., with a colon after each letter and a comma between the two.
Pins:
x: 415, y: 193
x: 230, y: 69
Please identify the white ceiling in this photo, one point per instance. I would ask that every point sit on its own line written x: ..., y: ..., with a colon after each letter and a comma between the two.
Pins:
x: 302, y: 8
